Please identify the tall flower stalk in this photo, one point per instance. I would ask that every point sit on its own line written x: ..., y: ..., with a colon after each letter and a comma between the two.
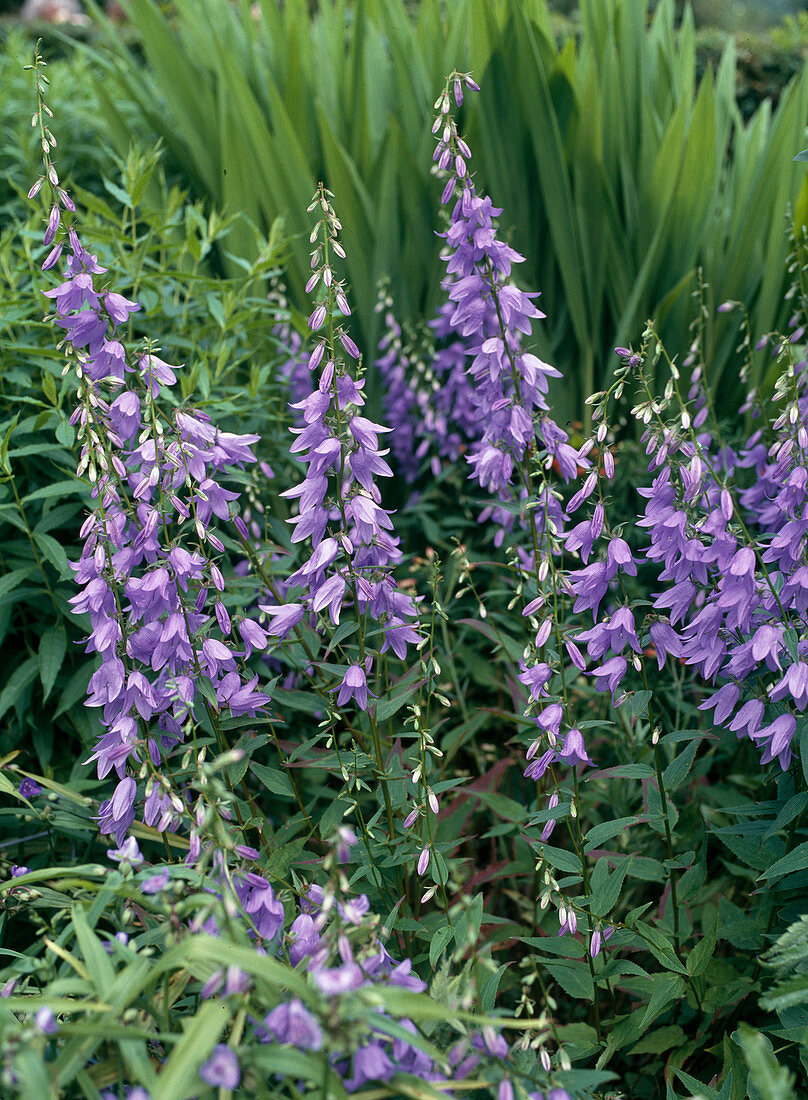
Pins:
x: 149, y: 570
x: 353, y: 550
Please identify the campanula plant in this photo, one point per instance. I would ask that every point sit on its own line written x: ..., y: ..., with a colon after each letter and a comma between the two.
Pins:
x: 171, y: 683
x: 516, y: 813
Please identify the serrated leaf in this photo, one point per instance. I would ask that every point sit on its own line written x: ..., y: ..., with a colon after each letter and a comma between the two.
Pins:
x: 796, y: 860
x: 699, y: 958
x: 275, y: 781
x: 332, y: 816
x: 65, y: 433
x: 439, y: 942
x: 282, y: 858
x: 345, y: 629
x: 573, y: 977
x: 507, y: 808
x: 74, y: 690
x: 666, y: 989
x: 623, y: 771
x: 4, y: 462
x: 387, y: 706
x: 802, y: 741
x: 787, y: 994
x: 488, y: 993
x: 117, y: 192
x: 608, y: 829
x: 561, y: 859
x: 638, y: 703
x: 207, y: 690
x: 698, y: 1089
x: 31, y: 1073
x: 660, y: 946
x: 676, y: 772
x: 606, y: 894
x: 660, y: 1040
x: 772, y: 1080
x: 217, y: 310
x: 625, y: 1031
x: 49, y: 387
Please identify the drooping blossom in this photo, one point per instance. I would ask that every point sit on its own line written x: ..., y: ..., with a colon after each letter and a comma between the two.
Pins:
x: 339, y: 509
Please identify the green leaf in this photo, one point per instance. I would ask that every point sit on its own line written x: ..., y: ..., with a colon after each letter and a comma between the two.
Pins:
x: 565, y: 946
x: 65, y: 433
x: 660, y: 945
x: 638, y: 703
x: 123, y: 197
x: 74, y: 690
x: 55, y: 554
x: 608, y: 829
x: 438, y: 944
x: 12, y: 580
x: 660, y: 1040
x: 507, y: 808
x: 560, y: 859
x: 623, y: 771
x: 56, y: 489
x: 4, y: 462
x: 606, y: 891
x: 573, y: 977
x: 284, y: 1062
x: 179, y: 1078
x: 332, y: 816
x: 699, y: 957
x: 787, y: 994
x: 16, y: 684
x: 7, y: 787
x: 49, y: 387
x: 207, y: 690
x: 217, y: 310
x: 627, y: 1030
x: 387, y: 706
x: 676, y: 772
x: 52, y: 649
x: 32, y: 1073
x: 802, y: 741
x: 796, y: 860
x: 772, y: 1080
x: 345, y: 629
x: 93, y: 953
x: 275, y: 780
x: 488, y: 993
x: 698, y: 1089
x: 666, y: 989
x: 282, y: 858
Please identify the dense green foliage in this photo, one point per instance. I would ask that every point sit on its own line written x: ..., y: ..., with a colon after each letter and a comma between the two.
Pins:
x: 160, y: 244
x: 611, y: 165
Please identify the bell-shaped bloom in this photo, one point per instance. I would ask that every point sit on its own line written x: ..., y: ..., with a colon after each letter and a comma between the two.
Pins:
x: 354, y: 686
x: 293, y: 1023
x: 573, y: 751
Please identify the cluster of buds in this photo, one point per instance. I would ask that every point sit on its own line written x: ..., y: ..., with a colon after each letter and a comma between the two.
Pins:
x: 451, y: 151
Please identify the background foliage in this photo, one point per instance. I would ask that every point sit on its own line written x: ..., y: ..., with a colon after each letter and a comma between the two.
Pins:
x: 622, y: 202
